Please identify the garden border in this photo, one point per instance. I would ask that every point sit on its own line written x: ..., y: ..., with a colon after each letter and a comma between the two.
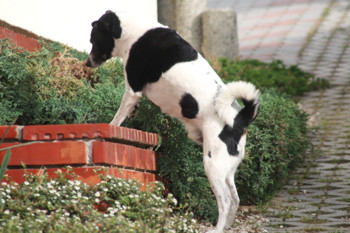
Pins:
x: 117, y: 151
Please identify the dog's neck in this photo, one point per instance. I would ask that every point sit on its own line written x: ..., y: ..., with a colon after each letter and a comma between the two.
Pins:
x: 132, y: 29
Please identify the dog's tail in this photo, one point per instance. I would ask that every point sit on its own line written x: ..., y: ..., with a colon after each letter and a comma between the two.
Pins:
x: 233, y: 91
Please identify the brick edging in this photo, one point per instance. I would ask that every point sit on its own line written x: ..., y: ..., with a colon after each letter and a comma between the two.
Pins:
x: 84, y: 147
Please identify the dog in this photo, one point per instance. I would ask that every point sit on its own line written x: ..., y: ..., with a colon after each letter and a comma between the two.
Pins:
x: 161, y: 65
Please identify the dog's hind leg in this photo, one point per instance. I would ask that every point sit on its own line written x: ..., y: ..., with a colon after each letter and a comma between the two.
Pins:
x: 127, y: 107
x: 234, y: 199
x: 216, y: 169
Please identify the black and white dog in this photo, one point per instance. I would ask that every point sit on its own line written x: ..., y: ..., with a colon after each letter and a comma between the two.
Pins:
x: 161, y: 65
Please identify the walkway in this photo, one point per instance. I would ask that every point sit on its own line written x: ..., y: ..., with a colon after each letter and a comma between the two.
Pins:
x: 315, y: 34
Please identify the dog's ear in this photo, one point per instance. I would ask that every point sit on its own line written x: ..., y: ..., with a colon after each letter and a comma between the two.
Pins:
x: 113, y: 24
x: 94, y: 24
x: 108, y: 24
x: 116, y: 29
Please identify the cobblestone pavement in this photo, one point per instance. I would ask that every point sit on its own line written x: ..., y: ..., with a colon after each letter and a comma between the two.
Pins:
x: 315, y: 34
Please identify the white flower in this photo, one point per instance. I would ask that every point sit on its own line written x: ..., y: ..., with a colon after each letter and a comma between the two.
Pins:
x: 174, y: 201
x: 7, y: 212
x: 97, y: 194
x: 26, y: 183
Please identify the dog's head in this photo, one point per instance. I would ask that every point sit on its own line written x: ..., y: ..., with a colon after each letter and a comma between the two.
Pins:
x: 104, y: 31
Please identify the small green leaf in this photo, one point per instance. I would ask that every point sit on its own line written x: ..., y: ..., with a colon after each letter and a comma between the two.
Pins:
x: 5, y: 163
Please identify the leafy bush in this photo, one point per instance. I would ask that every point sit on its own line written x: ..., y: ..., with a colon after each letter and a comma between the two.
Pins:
x: 36, y: 91
x: 63, y: 205
x: 42, y: 92
x: 277, y: 142
x: 290, y: 80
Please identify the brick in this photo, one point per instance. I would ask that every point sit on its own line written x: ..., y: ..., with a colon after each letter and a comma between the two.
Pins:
x: 33, y: 45
x: 2, y: 33
x: 123, y: 155
x: 13, y: 133
x: 27, y: 43
x: 131, y: 156
x: 11, y: 35
x: 74, y: 131
x: 48, y: 153
x: 107, y: 153
x: 91, y: 131
x: 140, y: 159
x: 17, y: 175
x: 23, y: 41
x: 87, y: 175
x: 151, y: 160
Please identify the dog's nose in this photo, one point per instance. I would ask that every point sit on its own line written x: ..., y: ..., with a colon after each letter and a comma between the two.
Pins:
x: 88, y: 63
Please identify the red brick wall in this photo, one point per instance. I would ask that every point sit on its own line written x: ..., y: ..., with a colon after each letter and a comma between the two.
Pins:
x: 19, y: 37
x: 122, y: 152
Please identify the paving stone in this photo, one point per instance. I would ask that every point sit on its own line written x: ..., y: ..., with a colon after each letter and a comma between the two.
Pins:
x: 324, y: 195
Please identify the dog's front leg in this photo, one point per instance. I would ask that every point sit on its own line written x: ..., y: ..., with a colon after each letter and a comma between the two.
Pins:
x: 127, y: 106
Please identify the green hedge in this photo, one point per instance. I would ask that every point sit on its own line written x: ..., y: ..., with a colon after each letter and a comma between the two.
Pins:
x: 290, y: 80
x: 40, y: 93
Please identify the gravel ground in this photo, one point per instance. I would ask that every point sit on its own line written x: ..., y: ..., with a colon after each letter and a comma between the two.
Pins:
x: 247, y: 221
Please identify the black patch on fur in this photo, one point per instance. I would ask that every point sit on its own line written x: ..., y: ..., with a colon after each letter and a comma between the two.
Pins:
x: 155, y: 53
x: 189, y: 106
x: 231, y: 135
x: 209, y: 154
x: 104, y: 31
x: 231, y: 138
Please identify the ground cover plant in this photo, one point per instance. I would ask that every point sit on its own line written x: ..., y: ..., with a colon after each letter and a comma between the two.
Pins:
x: 51, y: 86
x: 41, y: 204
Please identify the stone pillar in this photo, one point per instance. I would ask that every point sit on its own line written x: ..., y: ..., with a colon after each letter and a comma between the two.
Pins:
x: 220, y: 37
x: 188, y: 20
x: 185, y: 17
x: 167, y: 13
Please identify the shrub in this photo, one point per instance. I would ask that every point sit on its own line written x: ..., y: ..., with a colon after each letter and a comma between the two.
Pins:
x: 44, y: 93
x: 63, y: 205
x: 290, y: 80
x: 277, y: 142
x: 35, y: 90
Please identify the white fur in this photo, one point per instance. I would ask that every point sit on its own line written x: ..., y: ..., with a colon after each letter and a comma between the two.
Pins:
x: 217, y: 107
x: 232, y: 92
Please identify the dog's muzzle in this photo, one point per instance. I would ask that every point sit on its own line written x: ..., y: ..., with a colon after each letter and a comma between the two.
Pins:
x: 89, y: 63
